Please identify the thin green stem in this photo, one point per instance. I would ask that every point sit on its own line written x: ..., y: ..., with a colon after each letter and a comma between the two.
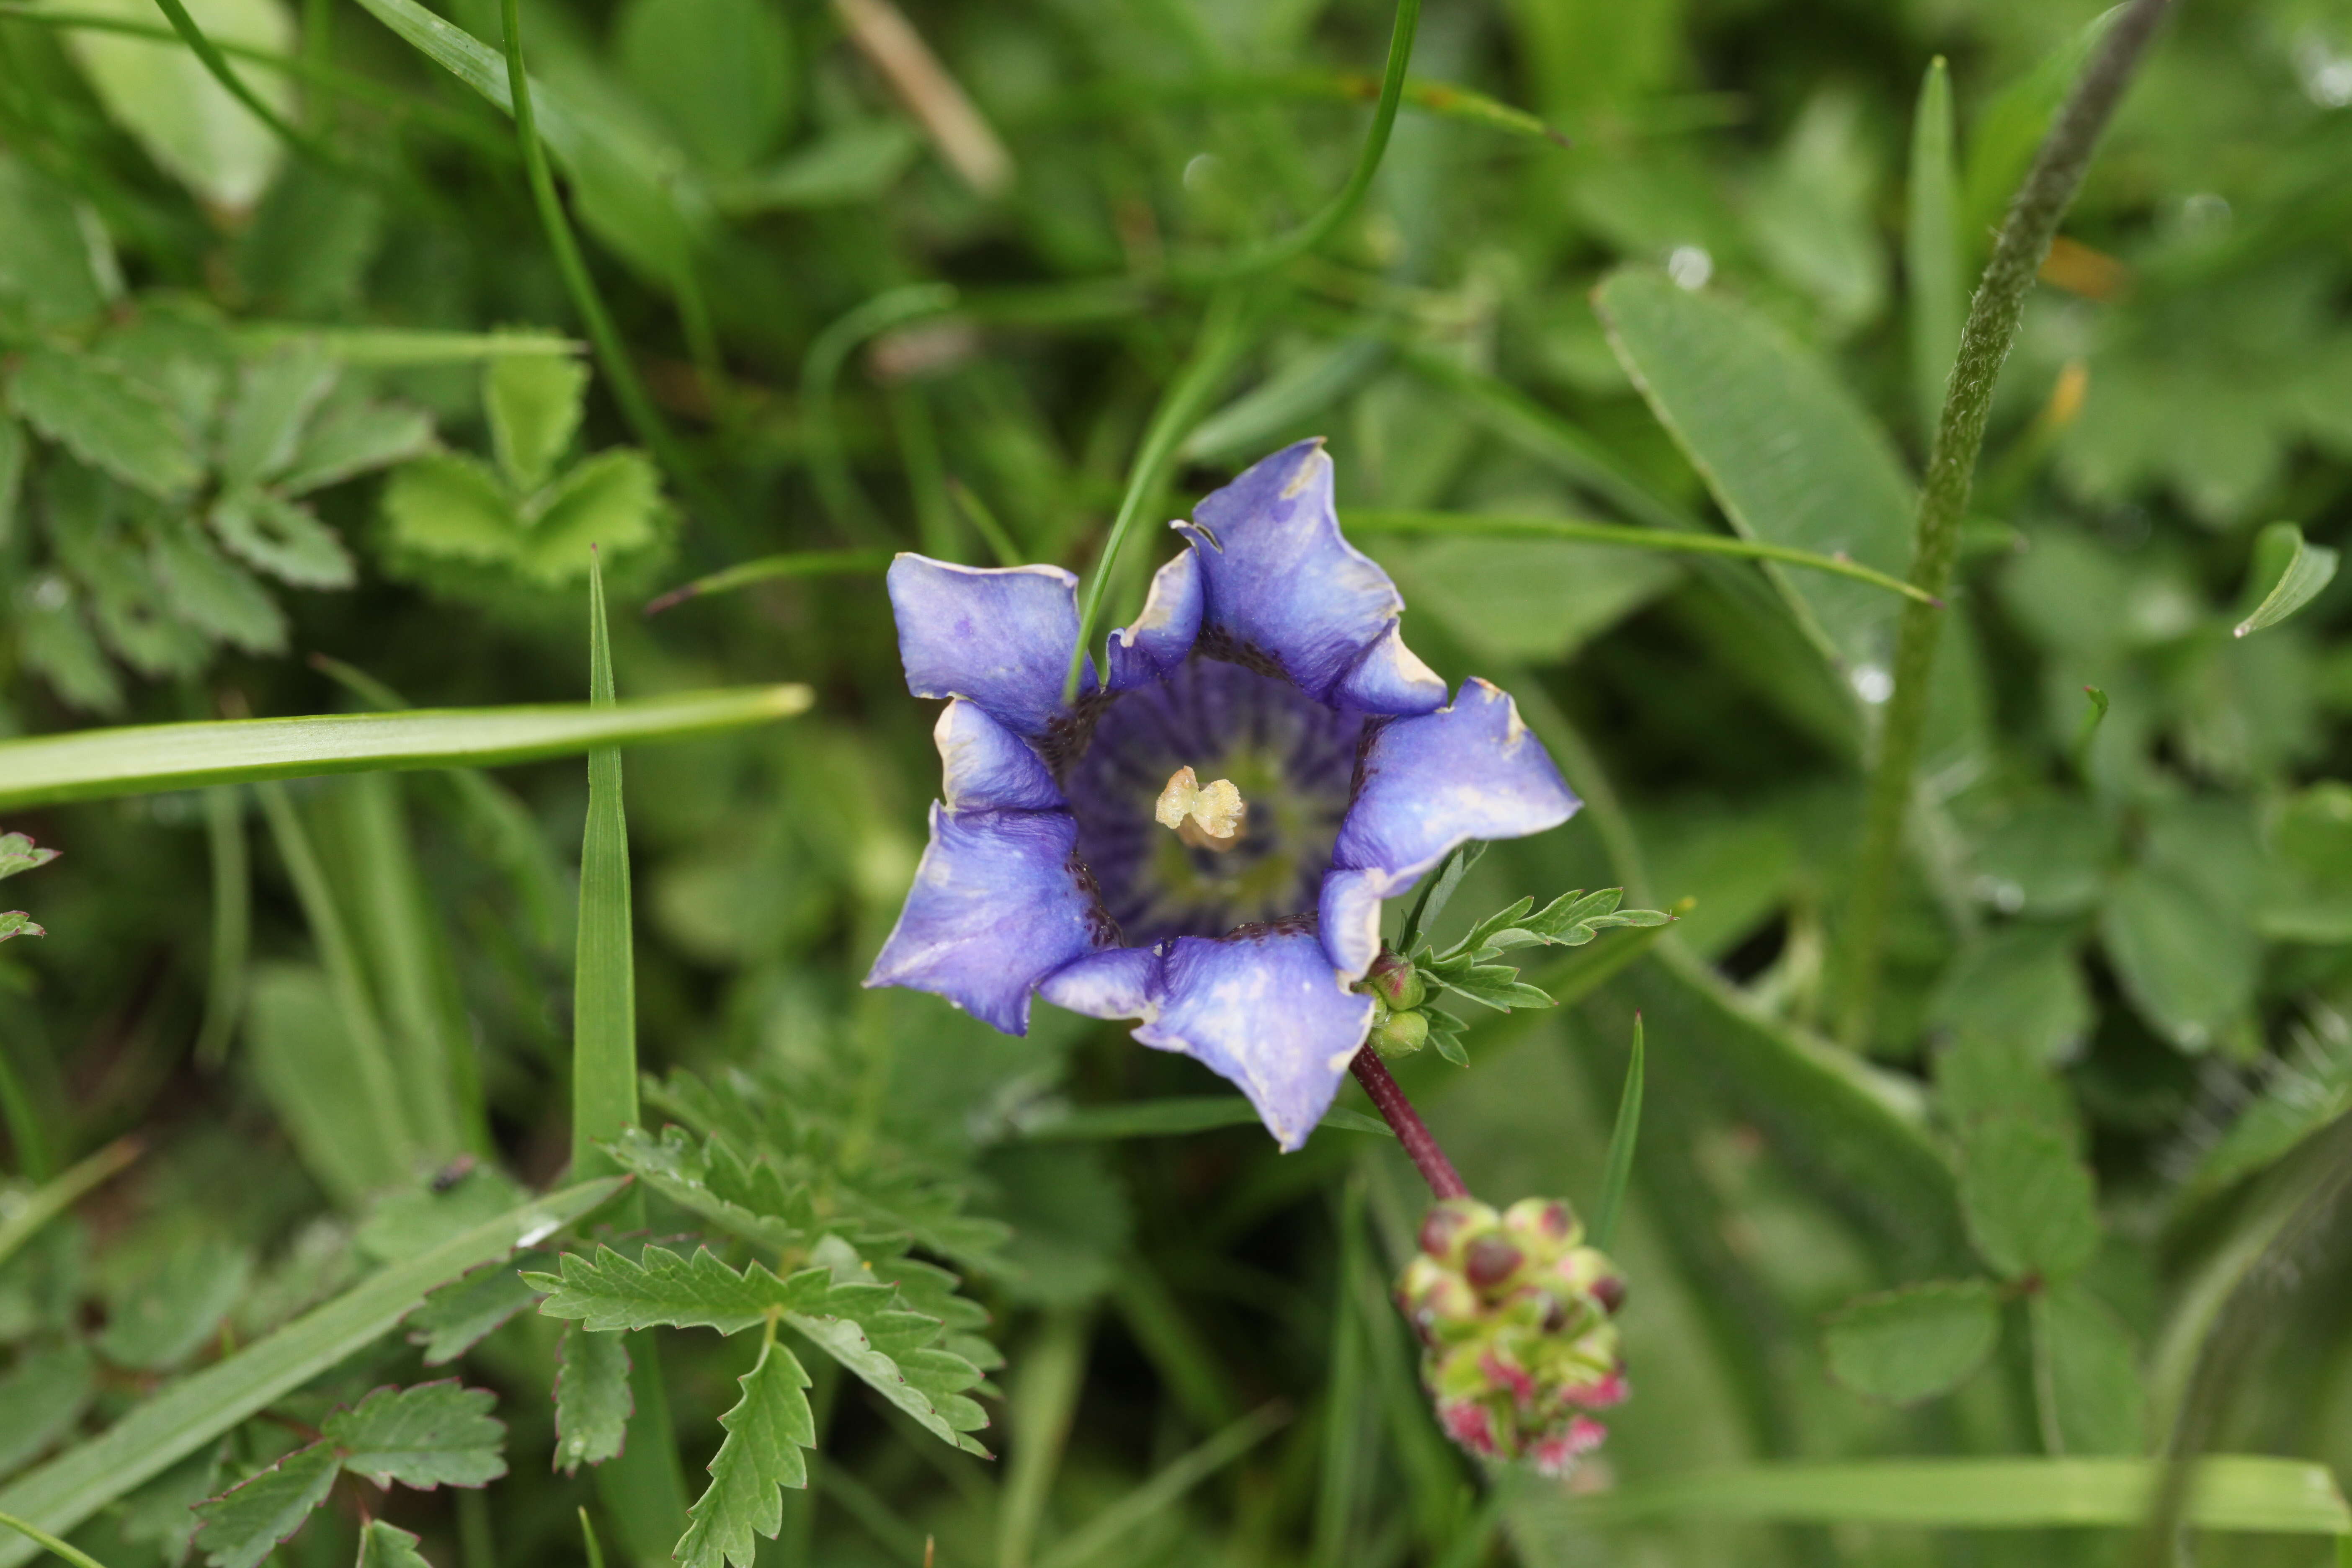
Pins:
x: 792, y: 563
x: 1466, y: 525
x: 217, y: 64
x: 1273, y: 253
x: 845, y: 503
x: 343, y: 83
x: 33, y: 1532
x: 628, y: 391
x: 2033, y: 218
x: 52, y: 1199
x: 1222, y: 333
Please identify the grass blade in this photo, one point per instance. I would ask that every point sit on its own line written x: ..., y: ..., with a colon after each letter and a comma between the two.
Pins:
x: 1044, y: 1397
x: 52, y: 1199
x: 1931, y: 244
x: 645, y: 1486
x: 143, y: 759
x: 231, y: 930
x: 2230, y: 1492
x: 187, y: 1414
x: 1465, y: 524
x: 1619, y: 1172
x: 791, y: 563
x: 1166, y: 1489
x: 71, y: 1554
x: 363, y: 1035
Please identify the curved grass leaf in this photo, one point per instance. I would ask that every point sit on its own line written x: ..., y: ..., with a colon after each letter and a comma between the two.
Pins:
x: 2233, y: 1491
x: 2296, y: 569
x: 1619, y: 1168
x: 90, y: 765
x: 69, y: 1488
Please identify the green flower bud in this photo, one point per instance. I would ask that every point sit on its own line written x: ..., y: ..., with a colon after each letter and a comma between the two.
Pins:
x: 1400, y: 1034
x: 1396, y: 982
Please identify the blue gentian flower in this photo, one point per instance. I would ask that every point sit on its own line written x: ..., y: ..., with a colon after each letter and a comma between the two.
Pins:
x: 1077, y: 856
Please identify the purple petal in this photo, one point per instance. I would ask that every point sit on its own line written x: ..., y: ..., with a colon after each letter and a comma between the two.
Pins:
x: 1116, y: 982
x: 987, y: 767
x: 1349, y: 924
x: 999, y: 637
x: 999, y: 902
x: 1283, y: 585
x: 1162, y: 637
x: 1468, y: 771
x: 1267, y: 1011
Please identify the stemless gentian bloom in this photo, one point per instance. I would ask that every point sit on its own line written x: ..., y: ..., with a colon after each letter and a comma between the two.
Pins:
x: 1078, y: 854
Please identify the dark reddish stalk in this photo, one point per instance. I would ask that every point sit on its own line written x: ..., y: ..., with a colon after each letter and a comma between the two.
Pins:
x: 1430, y: 1160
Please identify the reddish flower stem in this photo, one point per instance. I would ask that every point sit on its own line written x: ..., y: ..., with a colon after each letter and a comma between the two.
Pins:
x: 1389, y: 1101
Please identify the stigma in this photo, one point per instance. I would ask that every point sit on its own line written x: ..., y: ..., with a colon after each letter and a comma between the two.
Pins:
x: 1206, y: 816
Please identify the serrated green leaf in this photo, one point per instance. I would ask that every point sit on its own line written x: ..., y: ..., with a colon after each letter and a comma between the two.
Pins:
x: 212, y: 593
x: 244, y: 1524
x: 425, y: 1436
x: 2296, y: 569
x: 16, y: 922
x: 608, y: 1291
x: 452, y: 504
x: 19, y: 853
x: 766, y: 1431
x: 353, y: 438
x: 48, y: 268
x: 1913, y: 1343
x: 385, y: 1545
x: 463, y: 1313
x: 2031, y: 1205
x: 1789, y: 452
x: 745, y: 1199
x: 1495, y: 985
x: 283, y: 539
x: 2086, y: 1376
x: 167, y: 1315
x: 862, y: 1322
x: 592, y: 1402
x: 534, y: 403
x: 43, y: 1396
x: 276, y: 395
x: 57, y: 644
x: 197, y: 1409
x: 611, y: 501
x: 106, y: 418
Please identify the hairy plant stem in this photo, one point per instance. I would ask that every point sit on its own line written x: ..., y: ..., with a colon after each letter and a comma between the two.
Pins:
x: 1420, y: 1143
x: 2033, y: 218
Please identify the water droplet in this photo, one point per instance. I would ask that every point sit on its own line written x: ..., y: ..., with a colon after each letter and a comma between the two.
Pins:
x: 1690, y: 267
x: 1873, y: 684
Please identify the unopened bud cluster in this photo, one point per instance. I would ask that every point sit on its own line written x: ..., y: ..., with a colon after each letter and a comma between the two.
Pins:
x: 1397, y: 989
x: 1515, y: 1316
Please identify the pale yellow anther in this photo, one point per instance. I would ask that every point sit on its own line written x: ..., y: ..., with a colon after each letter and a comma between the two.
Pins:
x: 1206, y: 816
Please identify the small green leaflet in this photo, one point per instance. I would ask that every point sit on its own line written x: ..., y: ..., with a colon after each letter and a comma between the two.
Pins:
x: 593, y: 1401
x: 385, y: 1545
x: 745, y: 1198
x: 2030, y: 1202
x: 461, y: 1314
x: 890, y: 1349
x: 1913, y: 1343
x: 424, y: 1436
x: 19, y: 853
x: 608, y: 1291
x: 766, y: 1431
x: 1468, y: 968
x: 2296, y: 569
x: 16, y: 922
x: 244, y: 1524
x: 106, y: 418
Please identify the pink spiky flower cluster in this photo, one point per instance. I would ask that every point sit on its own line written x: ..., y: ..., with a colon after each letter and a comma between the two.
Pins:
x: 1516, y: 1321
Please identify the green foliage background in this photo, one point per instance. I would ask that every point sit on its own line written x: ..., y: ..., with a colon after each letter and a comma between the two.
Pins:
x: 313, y: 416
